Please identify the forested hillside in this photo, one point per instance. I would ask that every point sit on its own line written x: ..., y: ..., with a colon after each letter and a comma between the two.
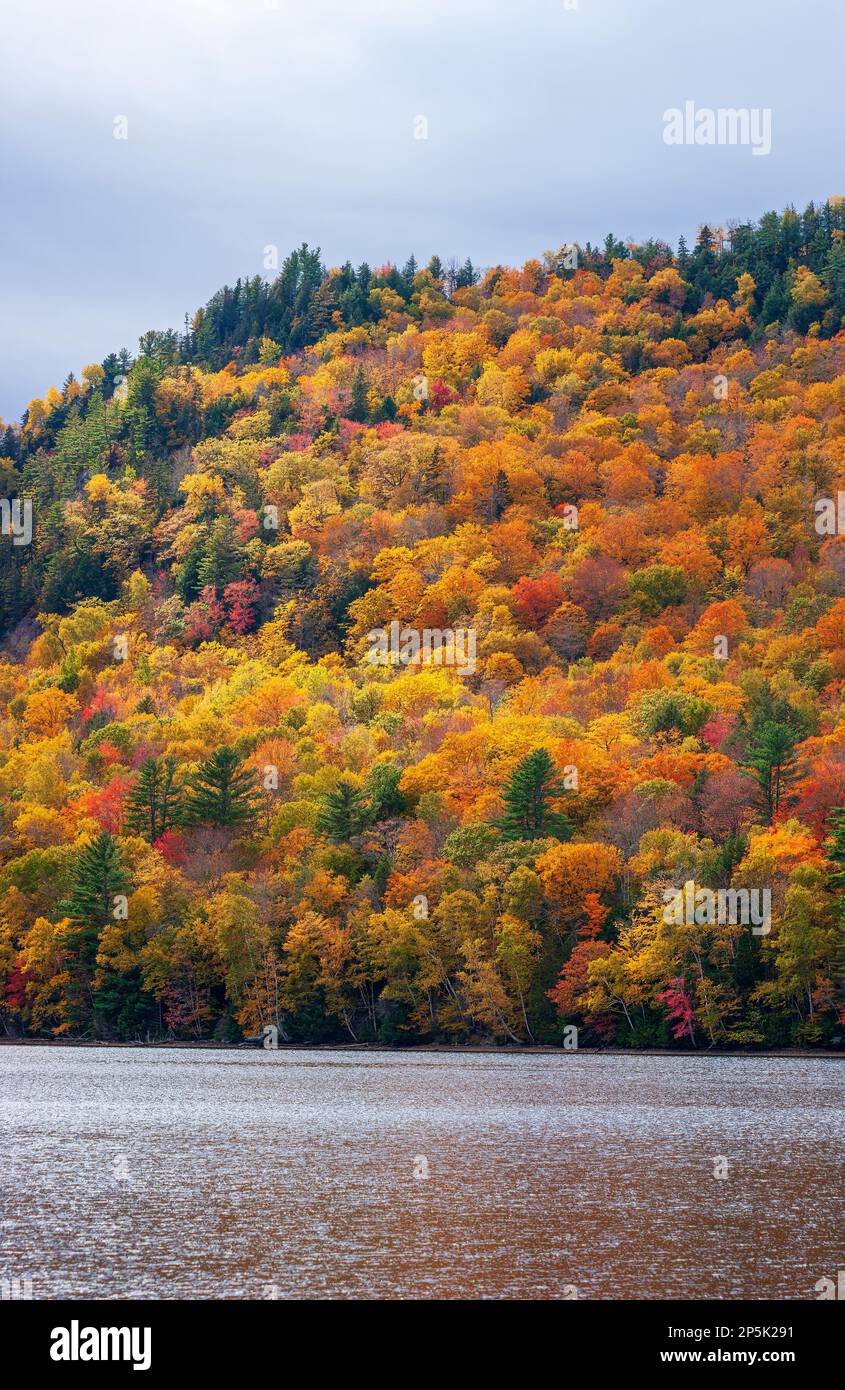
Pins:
x: 423, y: 654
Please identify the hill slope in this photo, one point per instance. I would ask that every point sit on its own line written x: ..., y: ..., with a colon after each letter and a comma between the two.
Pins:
x: 408, y: 655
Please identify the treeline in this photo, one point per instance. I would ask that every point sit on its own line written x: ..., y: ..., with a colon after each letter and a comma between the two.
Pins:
x: 304, y: 301
x: 257, y: 319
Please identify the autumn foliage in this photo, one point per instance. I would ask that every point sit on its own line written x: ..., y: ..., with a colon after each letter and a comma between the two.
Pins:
x: 218, y: 812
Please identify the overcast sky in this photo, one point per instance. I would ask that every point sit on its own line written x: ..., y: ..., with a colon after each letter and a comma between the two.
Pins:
x: 259, y: 122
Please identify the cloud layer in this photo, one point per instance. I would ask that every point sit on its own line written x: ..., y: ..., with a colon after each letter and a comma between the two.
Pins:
x: 253, y: 123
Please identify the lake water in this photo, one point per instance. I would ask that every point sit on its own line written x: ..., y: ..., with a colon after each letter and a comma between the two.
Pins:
x: 189, y: 1174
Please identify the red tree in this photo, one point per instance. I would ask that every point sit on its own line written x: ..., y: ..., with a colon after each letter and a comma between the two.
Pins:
x: 241, y: 600
x: 536, y: 599
x: 678, y: 1008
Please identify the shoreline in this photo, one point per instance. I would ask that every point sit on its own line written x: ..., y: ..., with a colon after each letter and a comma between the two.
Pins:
x: 450, y: 1049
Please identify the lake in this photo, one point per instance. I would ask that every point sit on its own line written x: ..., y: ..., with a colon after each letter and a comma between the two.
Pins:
x: 172, y: 1173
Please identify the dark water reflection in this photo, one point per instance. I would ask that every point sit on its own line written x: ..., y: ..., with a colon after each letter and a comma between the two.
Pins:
x: 163, y: 1173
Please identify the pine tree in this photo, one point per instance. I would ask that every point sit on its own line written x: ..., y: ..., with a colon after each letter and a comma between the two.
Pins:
x: 500, y: 497
x: 381, y: 795
x: 776, y: 302
x: 221, y: 792
x: 409, y: 270
x: 527, y: 796
x: 433, y: 483
x: 98, y: 879
x: 343, y: 815
x: 153, y: 803
x: 359, y: 408
x: 834, y: 849
x: 220, y: 561
x: 324, y: 305
x: 467, y: 275
x: 770, y: 760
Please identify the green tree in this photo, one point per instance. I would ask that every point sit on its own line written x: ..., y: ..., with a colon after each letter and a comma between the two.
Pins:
x: 382, y: 796
x: 221, y: 792
x: 835, y: 851
x: 69, y: 674
x: 770, y: 760
x: 658, y: 587
x: 834, y: 848
x: 98, y: 877
x: 153, y: 803
x: 528, y: 813
x: 98, y: 881
x: 221, y: 559
x: 359, y: 405
x: 343, y: 814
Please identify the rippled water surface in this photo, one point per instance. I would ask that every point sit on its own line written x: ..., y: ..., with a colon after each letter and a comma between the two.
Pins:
x: 187, y: 1174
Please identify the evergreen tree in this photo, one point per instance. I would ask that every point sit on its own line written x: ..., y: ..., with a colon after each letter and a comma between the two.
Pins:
x: 528, y: 814
x: 187, y: 575
x: 834, y: 279
x: 434, y: 483
x: 353, y: 305
x: 343, y: 814
x: 98, y: 879
x: 776, y: 303
x: 153, y: 802
x: 614, y: 249
x: 409, y: 270
x: 381, y: 793
x: 221, y: 792
x: 835, y: 851
x: 221, y: 558
x: 770, y: 760
x: 834, y: 848
x: 500, y: 496
x: 324, y: 305
x: 359, y: 406
x: 466, y: 276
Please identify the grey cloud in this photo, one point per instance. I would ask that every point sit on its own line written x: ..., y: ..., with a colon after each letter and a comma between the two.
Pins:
x: 250, y: 124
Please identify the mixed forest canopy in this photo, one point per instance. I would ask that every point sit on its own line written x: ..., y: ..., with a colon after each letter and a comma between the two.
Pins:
x: 619, y: 469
